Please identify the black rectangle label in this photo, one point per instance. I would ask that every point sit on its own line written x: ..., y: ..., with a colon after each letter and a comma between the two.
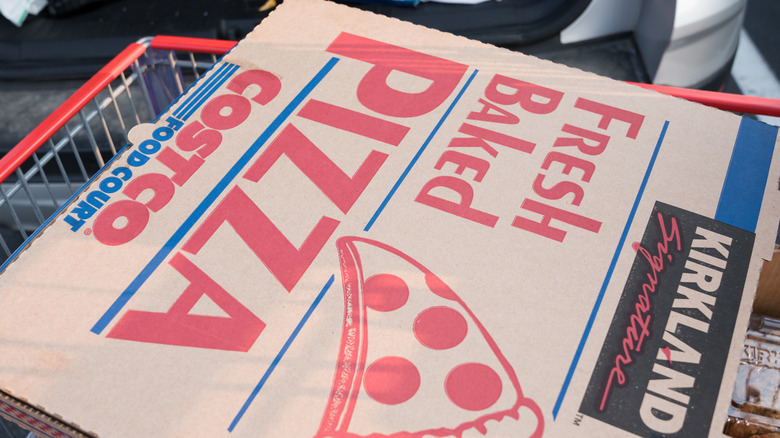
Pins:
x: 662, y: 362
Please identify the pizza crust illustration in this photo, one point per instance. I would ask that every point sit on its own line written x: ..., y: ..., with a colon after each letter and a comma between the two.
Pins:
x: 414, y: 361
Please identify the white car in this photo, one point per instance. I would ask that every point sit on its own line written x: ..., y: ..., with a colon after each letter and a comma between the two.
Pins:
x: 683, y: 43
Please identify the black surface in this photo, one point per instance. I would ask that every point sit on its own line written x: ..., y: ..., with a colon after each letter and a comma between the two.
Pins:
x: 495, y: 22
x: 615, y: 57
x: 76, y: 37
x: 46, y: 59
x: 26, y: 103
x: 78, y: 44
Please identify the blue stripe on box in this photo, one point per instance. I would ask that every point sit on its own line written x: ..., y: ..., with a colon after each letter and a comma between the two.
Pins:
x: 419, y: 152
x: 216, y: 78
x: 610, y: 271
x: 746, y: 178
x: 209, y: 200
x: 281, y: 354
x: 205, y: 93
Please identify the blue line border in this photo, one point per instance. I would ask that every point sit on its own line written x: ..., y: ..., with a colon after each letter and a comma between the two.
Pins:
x: 608, y: 277
x: 200, y: 210
x: 281, y: 354
x: 187, y: 104
x: 743, y: 189
x: 419, y: 153
x: 207, y: 92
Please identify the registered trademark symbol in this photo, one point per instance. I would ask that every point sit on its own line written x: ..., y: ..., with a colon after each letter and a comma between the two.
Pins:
x: 88, y: 231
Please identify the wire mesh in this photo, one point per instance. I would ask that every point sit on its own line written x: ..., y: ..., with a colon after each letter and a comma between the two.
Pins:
x: 73, y: 154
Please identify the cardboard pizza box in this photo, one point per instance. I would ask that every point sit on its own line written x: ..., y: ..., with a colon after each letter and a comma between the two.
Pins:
x: 352, y: 226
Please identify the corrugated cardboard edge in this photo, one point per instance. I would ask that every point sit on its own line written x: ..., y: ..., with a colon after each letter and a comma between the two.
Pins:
x: 37, y: 420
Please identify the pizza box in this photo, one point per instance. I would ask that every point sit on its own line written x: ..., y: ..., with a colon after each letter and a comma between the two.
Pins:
x: 356, y: 227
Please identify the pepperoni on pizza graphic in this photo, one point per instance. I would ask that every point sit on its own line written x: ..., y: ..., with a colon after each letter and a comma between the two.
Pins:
x: 414, y: 360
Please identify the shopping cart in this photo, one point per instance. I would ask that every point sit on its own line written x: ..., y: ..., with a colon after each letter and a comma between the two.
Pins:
x: 50, y: 165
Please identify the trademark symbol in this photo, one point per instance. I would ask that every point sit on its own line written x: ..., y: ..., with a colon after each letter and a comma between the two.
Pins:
x: 577, y: 419
x: 88, y: 231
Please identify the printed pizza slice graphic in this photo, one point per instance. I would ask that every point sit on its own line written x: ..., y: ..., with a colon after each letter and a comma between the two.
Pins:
x: 414, y: 361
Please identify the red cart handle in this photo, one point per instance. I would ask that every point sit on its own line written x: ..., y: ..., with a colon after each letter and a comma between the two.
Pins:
x: 725, y: 101
x: 197, y: 45
x: 56, y: 120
